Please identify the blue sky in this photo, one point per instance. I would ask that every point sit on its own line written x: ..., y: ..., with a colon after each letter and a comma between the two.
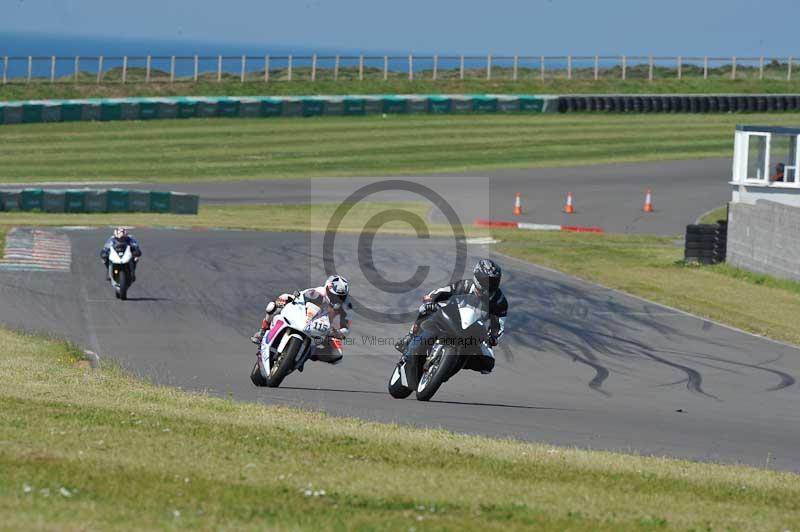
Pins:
x: 703, y: 27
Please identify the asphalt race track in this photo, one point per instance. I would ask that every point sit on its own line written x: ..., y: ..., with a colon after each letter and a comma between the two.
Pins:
x: 609, y: 196
x: 581, y: 365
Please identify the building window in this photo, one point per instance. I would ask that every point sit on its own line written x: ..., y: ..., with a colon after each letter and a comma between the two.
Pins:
x: 757, y: 157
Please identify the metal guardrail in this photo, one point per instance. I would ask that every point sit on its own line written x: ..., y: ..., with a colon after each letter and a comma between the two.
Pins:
x: 288, y: 68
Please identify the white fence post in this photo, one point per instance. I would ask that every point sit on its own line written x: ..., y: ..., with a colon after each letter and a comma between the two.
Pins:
x: 289, y: 69
x: 541, y: 68
x: 30, y: 68
x: 461, y: 68
x: 336, y: 69
x: 52, y: 69
x: 172, y: 69
x: 516, y: 68
x: 147, y: 69
x: 314, y: 67
x: 410, y: 68
x: 650, y: 69
x: 761, y: 68
x: 596, y: 68
x: 124, y: 69
x: 77, y: 67
x: 435, y: 66
x: 489, y: 67
x: 624, y: 67
x: 196, y: 73
x: 100, y: 69
x: 680, y: 67
x: 219, y: 68
x: 244, y: 69
x: 385, y: 67
x: 705, y: 67
x: 789, y: 70
x: 266, y: 69
x: 569, y: 67
x: 733, y: 67
x: 360, y: 68
x: 5, y: 69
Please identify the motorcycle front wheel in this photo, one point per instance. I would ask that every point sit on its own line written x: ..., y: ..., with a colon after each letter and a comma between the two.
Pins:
x: 123, y: 284
x: 396, y: 388
x: 441, y: 364
x: 284, y: 363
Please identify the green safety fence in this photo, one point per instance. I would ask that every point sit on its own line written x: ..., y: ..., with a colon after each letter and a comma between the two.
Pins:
x: 107, y: 109
x: 114, y: 200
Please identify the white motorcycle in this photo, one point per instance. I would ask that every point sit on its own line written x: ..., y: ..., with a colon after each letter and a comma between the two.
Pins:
x: 293, y: 335
x: 120, y: 269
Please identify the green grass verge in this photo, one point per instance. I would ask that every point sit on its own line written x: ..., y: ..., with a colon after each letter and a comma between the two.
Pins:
x: 97, y: 449
x: 271, y: 217
x: 233, y: 87
x: 230, y: 149
x: 652, y: 267
x: 712, y: 217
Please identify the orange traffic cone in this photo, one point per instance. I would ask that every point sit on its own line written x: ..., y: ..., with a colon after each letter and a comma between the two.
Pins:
x: 518, y: 204
x: 648, y: 202
x: 568, y: 208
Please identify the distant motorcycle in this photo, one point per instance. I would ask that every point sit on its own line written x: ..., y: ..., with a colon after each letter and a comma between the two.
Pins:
x: 120, y: 269
x: 290, y: 341
x: 456, y: 332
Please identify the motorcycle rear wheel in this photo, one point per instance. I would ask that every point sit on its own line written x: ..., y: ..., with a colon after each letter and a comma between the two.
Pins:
x: 442, y: 368
x: 284, y: 364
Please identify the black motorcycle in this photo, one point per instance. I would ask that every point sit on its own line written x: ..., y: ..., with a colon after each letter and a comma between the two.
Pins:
x: 452, y: 337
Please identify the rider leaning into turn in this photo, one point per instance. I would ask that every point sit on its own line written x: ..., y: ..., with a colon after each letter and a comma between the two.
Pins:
x: 485, y: 283
x: 331, y: 297
x: 121, y: 236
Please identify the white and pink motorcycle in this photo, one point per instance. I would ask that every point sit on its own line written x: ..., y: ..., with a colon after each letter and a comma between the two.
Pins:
x: 292, y: 337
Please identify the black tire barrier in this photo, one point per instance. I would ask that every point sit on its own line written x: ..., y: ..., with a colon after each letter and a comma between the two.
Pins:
x: 772, y: 103
x: 706, y: 243
x: 761, y: 103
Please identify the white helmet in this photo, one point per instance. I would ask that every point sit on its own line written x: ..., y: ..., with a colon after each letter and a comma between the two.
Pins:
x: 120, y: 232
x: 337, y: 288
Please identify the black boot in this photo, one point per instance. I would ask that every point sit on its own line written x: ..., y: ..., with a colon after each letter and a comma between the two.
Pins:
x: 402, y: 344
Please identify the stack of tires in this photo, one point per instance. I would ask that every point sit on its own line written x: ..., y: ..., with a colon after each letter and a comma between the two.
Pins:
x: 706, y: 243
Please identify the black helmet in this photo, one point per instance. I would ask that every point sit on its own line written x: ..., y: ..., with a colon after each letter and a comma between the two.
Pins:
x: 486, y: 276
x: 337, y: 289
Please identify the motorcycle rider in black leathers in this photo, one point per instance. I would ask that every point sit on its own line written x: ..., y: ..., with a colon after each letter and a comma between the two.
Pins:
x: 485, y: 283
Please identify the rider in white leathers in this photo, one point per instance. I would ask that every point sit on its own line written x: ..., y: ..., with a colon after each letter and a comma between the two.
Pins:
x: 332, y: 297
